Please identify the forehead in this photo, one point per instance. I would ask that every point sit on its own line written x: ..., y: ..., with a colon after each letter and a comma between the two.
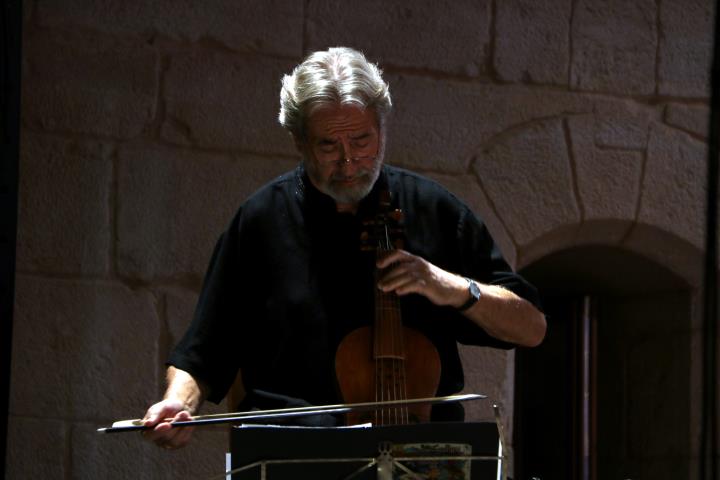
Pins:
x: 331, y: 121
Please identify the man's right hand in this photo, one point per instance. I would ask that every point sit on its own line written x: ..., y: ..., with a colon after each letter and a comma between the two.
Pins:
x: 160, y: 416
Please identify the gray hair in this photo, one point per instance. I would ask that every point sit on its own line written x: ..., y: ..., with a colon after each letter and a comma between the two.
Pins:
x: 335, y: 76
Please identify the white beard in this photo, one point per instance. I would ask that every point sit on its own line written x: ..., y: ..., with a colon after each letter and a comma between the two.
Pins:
x: 344, y: 194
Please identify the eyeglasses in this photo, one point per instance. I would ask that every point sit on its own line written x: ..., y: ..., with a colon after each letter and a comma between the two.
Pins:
x: 338, y: 152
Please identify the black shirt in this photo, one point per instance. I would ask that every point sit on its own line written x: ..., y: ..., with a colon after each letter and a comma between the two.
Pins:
x: 288, y: 280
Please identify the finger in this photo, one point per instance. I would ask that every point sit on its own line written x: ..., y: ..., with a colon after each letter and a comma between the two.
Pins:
x: 182, y: 416
x: 393, y: 256
x: 412, y: 286
x: 415, y: 269
x: 151, y: 415
x: 183, y: 436
x: 391, y: 274
x: 166, y: 425
x: 160, y: 435
x: 402, y: 284
x: 396, y: 281
x: 161, y: 411
x: 156, y: 419
x: 159, y: 428
x: 165, y: 432
x: 176, y: 438
x: 165, y: 435
x: 393, y: 278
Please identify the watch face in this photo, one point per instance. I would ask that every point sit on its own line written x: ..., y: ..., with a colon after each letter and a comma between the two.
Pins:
x: 474, y: 290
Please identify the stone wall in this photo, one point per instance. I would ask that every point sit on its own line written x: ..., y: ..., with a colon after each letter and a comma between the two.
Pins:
x: 145, y: 124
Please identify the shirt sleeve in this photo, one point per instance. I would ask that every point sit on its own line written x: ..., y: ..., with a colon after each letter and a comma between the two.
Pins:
x: 482, y: 260
x: 207, y: 350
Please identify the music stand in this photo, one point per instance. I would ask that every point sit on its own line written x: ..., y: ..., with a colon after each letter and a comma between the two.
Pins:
x: 463, y: 450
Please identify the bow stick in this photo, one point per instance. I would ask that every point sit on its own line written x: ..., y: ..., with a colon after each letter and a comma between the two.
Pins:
x: 137, y: 424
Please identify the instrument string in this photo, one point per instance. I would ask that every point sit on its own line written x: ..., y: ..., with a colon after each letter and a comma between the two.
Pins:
x: 379, y: 364
x: 397, y: 388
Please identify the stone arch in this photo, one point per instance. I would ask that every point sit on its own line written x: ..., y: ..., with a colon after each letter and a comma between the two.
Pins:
x: 652, y: 242
x: 616, y: 176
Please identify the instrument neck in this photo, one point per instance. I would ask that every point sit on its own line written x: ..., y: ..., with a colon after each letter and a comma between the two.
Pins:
x: 388, y: 331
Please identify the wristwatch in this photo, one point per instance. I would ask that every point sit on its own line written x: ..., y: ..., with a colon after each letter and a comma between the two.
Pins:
x: 474, y: 290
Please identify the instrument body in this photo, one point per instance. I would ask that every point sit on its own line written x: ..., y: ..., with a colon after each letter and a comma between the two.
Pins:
x: 387, y: 361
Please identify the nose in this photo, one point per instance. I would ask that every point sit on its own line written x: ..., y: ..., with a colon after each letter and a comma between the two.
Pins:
x: 348, y: 166
x: 346, y: 153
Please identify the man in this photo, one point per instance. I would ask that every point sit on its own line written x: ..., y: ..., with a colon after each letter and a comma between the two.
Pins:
x: 288, y: 279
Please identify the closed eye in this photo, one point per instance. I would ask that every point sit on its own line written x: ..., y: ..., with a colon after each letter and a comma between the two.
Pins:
x: 362, y: 140
x: 327, y: 146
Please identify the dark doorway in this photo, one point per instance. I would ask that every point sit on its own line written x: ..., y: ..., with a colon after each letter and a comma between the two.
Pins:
x: 608, y: 394
x: 547, y: 423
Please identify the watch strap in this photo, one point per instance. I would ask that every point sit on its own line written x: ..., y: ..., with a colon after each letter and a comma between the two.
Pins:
x: 474, y: 292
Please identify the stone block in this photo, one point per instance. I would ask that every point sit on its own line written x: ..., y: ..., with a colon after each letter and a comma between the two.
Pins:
x: 269, y: 26
x: 174, y: 204
x: 608, y: 180
x: 225, y: 101
x: 36, y: 448
x: 446, y: 36
x: 562, y: 237
x: 669, y: 250
x: 693, y: 119
x: 440, y: 125
x: 609, y: 184
x: 532, y: 41
x: 623, y: 124
x: 64, y: 206
x: 180, y: 307
x: 528, y: 177
x: 82, y: 349
x: 674, y: 185
x: 467, y: 188
x: 129, y: 456
x: 614, y: 46
x: 686, y: 44
x: 671, y: 220
x: 602, y: 232
x: 485, y: 373
x: 88, y: 87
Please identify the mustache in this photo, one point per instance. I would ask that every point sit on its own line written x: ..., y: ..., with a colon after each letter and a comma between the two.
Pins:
x: 346, y: 178
x: 365, y: 173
